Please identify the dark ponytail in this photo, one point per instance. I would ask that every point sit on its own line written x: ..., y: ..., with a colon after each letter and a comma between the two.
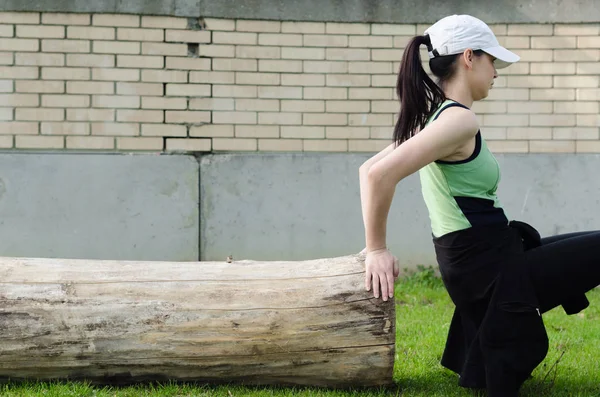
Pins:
x: 419, y: 95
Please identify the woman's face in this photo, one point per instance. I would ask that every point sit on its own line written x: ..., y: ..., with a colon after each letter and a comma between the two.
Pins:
x: 483, y: 75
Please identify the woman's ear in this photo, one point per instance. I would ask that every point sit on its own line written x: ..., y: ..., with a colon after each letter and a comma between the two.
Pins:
x: 467, y: 57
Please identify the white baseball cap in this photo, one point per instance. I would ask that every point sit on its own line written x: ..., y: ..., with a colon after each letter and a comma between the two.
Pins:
x: 456, y: 33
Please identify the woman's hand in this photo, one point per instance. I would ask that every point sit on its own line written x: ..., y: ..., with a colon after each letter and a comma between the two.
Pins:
x: 381, y: 271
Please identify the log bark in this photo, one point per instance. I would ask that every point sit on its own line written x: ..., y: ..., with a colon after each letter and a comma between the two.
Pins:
x: 115, y: 322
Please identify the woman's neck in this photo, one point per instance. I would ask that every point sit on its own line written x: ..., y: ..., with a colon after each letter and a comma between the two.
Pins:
x: 458, y: 92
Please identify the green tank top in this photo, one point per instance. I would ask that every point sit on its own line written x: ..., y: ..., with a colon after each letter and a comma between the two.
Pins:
x: 462, y: 194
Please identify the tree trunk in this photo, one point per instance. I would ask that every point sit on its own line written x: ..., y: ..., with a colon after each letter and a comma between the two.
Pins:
x: 288, y: 323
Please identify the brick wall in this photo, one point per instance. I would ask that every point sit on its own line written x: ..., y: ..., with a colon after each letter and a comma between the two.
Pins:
x: 144, y: 83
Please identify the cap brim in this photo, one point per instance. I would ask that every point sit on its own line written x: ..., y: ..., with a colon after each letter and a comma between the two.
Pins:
x: 503, y: 56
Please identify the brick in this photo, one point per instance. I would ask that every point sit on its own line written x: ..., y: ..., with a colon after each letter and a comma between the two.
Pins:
x: 65, y: 19
x: 506, y: 120
x: 116, y: 47
x: 553, y: 68
x: 118, y: 74
x: 366, y: 119
x: 313, y: 80
x: 177, y: 116
x: 136, y: 34
x: 56, y: 87
x: 6, y: 114
x: 393, y: 29
x: 272, y: 92
x: 328, y: 40
x: 257, y: 78
x: 249, y: 65
x: 61, y: 128
x: 494, y: 133
x: 553, y: 94
x: 402, y: 42
x: 55, y: 45
x: 62, y: 73
x: 90, y: 87
x: 164, y: 22
x: 579, y: 55
x: 529, y: 133
x: 552, y: 120
x: 116, y: 20
x: 187, y: 36
x: 9, y: 44
x: 303, y: 27
x: 347, y: 80
x: 6, y: 58
x: 585, y: 133
x: 347, y: 132
x: 303, y: 132
x: 187, y: 63
x: 278, y: 39
x: 18, y: 128
x: 90, y: 114
x: 165, y: 49
x: 234, y: 117
x: 588, y: 68
x: 588, y: 94
x: 280, y: 66
x: 536, y: 55
x: 39, y: 59
x: 65, y: 101
x: 189, y: 145
x: 140, y: 116
x: 233, y: 91
x: 371, y: 145
x: 302, y: 53
x: 530, y: 29
x: 517, y: 107
x: 554, y: 42
x: 258, y: 52
x: 90, y: 142
x: 517, y: 68
x: 164, y: 130
x: 188, y: 90
x: 579, y: 107
x: 164, y: 76
x: 347, y: 28
x: 20, y: 17
x: 39, y: 114
x: 279, y: 118
x: 211, y: 130
x: 530, y: 81
x: 279, y: 145
x: 139, y: 88
x: 505, y: 146
x: 552, y: 146
x: 39, y: 142
x: 140, y: 144
x: 385, y: 107
x: 576, y: 29
x: 6, y: 85
x: 370, y: 67
x: 217, y: 51
x: 19, y: 100
x: 116, y: 101
x: 90, y: 33
x: 325, y: 67
x: 587, y: 147
x: 370, y: 93
x: 371, y: 41
x: 588, y: 42
x: 386, y: 55
x: 212, y: 77
x: 576, y: 81
x: 234, y: 38
x: 325, y: 93
x: 347, y: 54
x: 325, y: 145
x: 267, y: 105
x: 307, y: 106
x: 384, y: 80
x: 257, y: 26
x: 219, y: 24
x: 164, y: 103
x: 348, y: 106
x: 134, y: 61
x: 508, y: 94
x: 235, y: 144
x: 45, y: 32
x: 116, y: 129
x: 588, y: 120
x: 257, y: 131
x: 90, y: 60
x: 325, y: 119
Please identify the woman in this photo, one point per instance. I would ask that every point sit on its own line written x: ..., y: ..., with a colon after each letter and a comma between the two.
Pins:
x: 500, y: 275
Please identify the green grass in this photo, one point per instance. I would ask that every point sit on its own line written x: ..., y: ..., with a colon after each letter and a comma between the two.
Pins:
x: 572, y: 367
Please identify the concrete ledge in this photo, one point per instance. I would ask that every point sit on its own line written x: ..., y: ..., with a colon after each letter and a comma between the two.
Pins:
x: 390, y: 11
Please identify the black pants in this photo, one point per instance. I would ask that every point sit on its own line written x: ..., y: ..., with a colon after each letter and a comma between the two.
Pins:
x: 564, y: 266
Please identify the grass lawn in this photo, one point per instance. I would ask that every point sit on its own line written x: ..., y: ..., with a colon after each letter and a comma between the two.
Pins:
x: 572, y: 367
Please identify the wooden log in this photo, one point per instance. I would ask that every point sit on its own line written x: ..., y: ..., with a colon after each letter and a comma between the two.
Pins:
x: 114, y: 322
